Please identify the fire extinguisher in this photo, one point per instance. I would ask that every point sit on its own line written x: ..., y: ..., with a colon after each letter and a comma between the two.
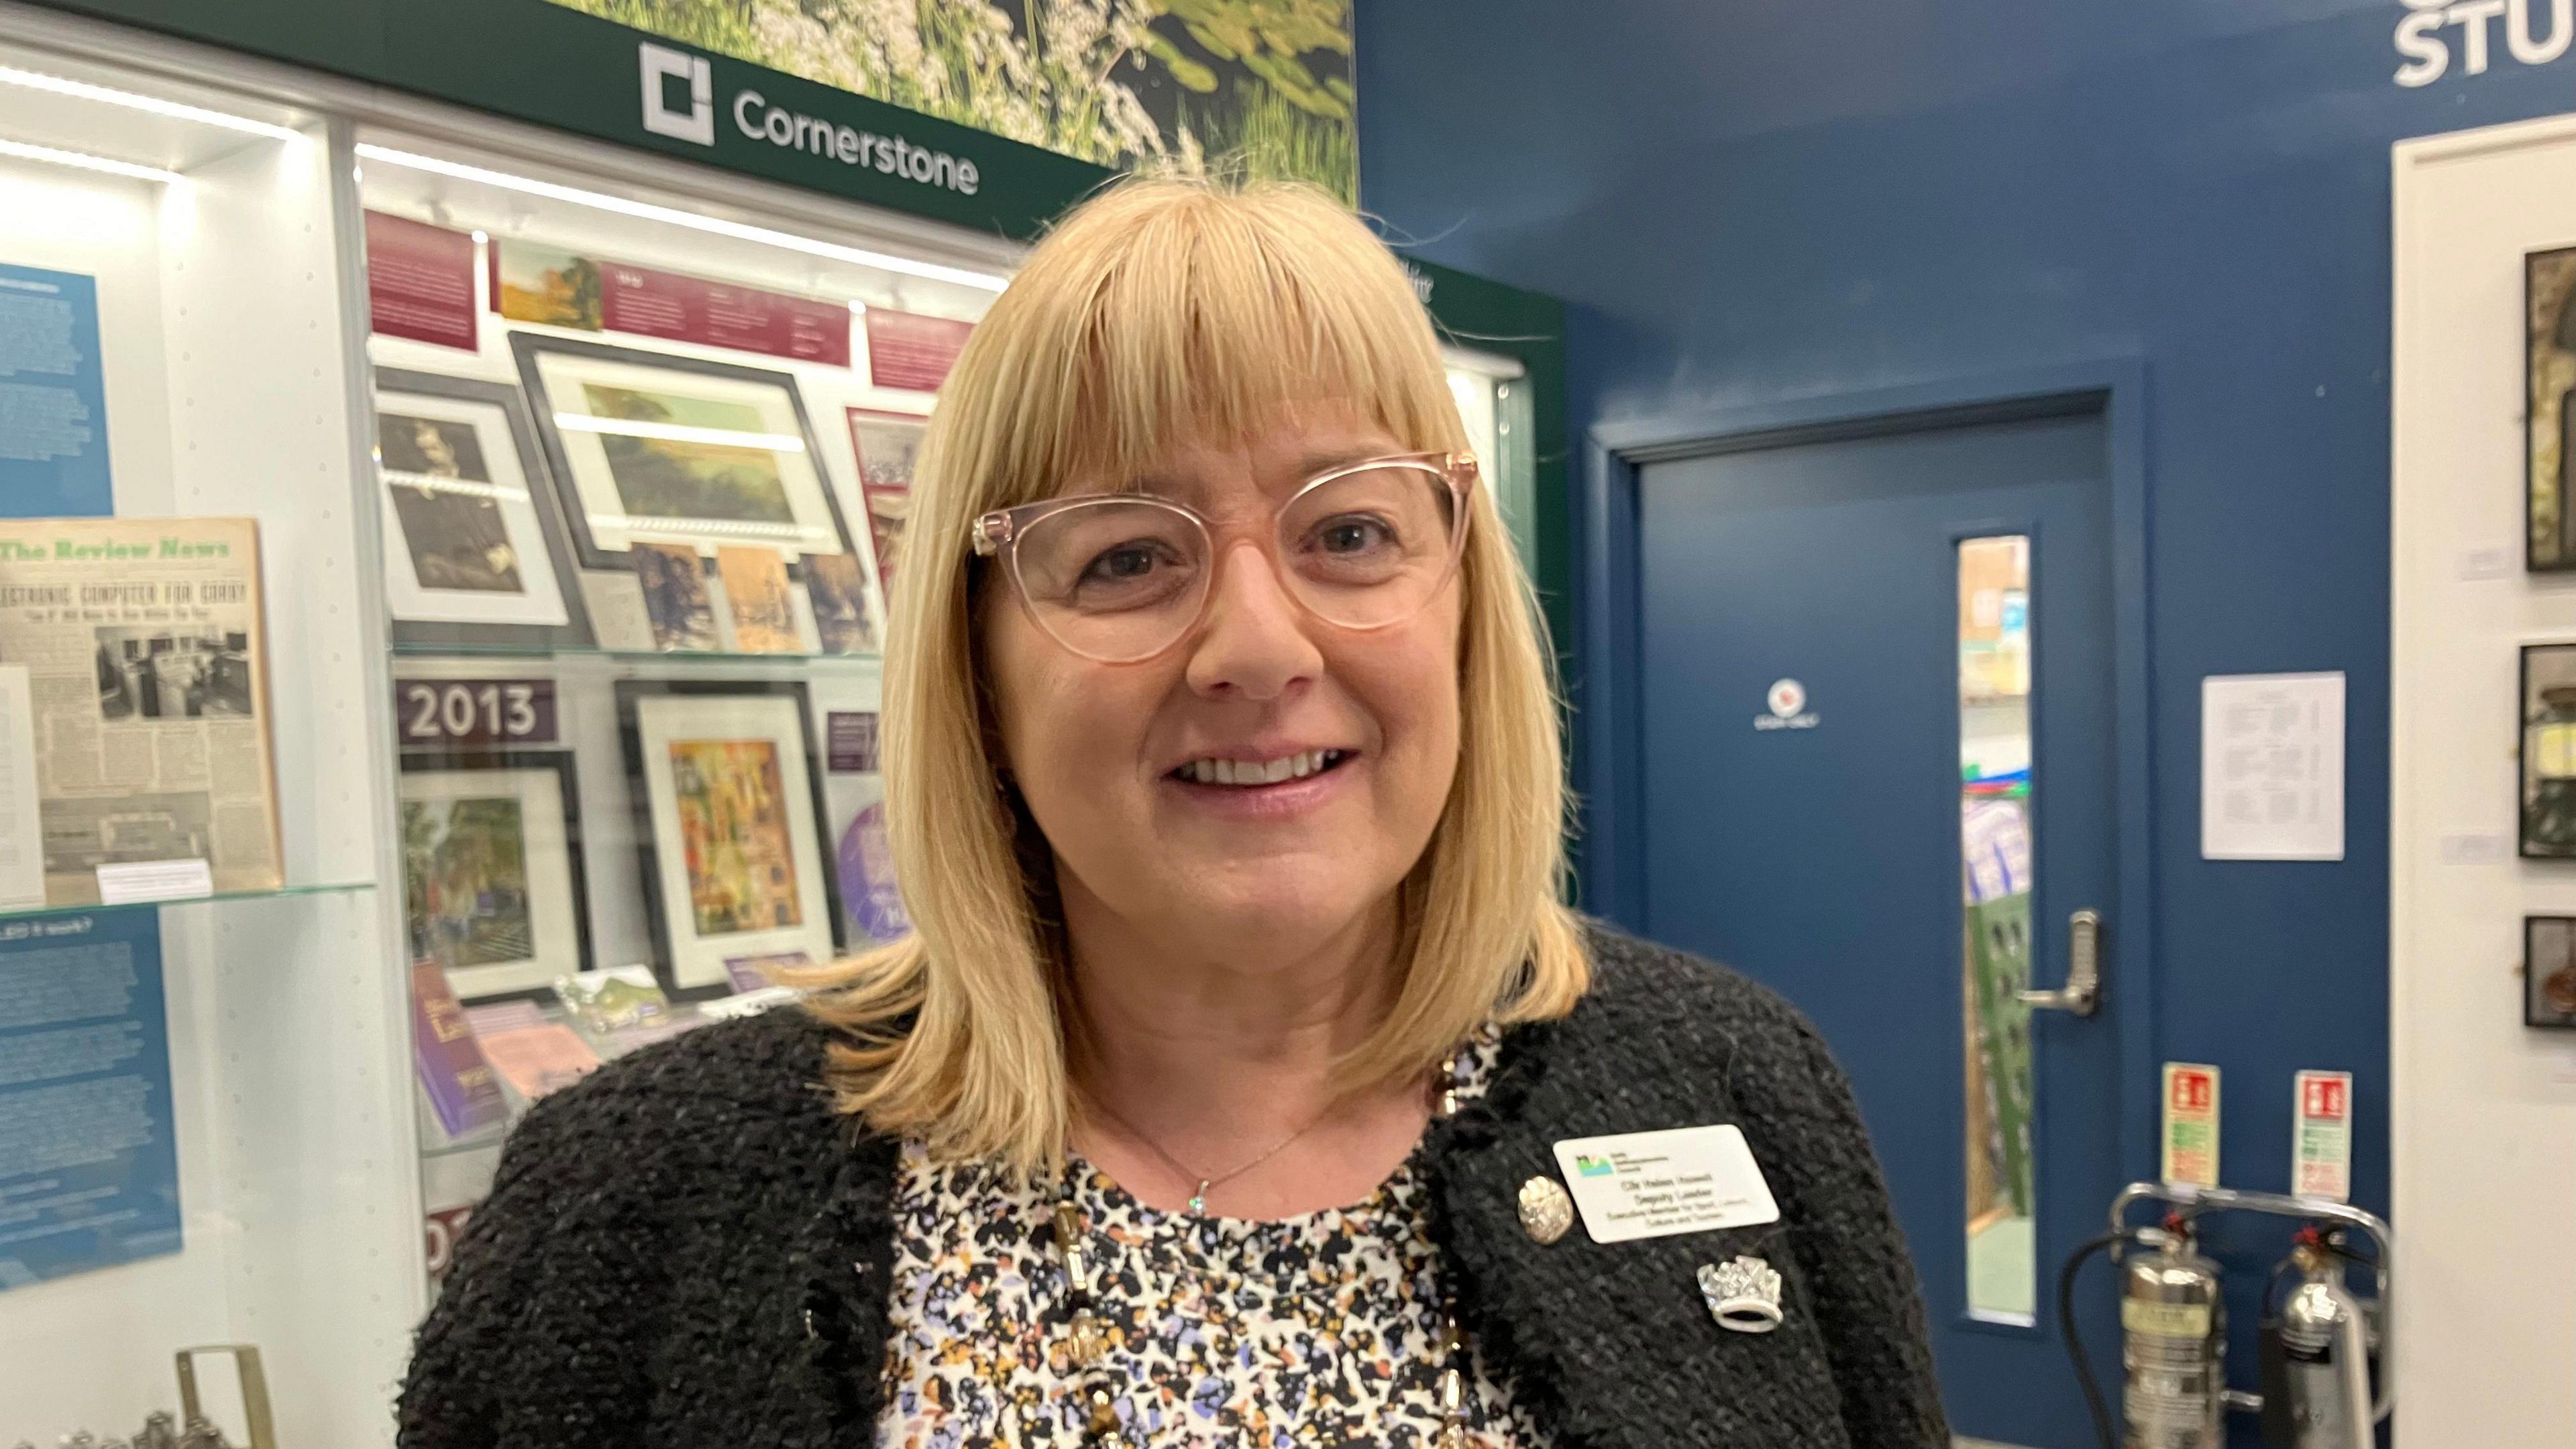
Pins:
x: 2173, y: 1338
x: 2316, y: 1373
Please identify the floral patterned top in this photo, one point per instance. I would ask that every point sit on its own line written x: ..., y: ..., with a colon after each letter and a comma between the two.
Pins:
x: 1322, y: 1329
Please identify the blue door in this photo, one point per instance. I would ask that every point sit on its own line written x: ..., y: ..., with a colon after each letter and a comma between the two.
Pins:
x: 1877, y: 770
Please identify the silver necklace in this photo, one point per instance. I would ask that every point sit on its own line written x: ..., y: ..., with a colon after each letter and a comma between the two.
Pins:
x: 1087, y: 1336
x: 1198, y: 1199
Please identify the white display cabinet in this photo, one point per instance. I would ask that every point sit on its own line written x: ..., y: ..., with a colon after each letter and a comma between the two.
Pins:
x: 226, y: 227
x: 206, y: 222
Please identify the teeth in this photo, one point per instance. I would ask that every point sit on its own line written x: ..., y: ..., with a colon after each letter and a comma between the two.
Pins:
x: 1255, y: 772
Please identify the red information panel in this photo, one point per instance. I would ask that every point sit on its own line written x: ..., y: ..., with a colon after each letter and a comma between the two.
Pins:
x: 532, y: 283
x: 420, y: 281
x: 913, y: 352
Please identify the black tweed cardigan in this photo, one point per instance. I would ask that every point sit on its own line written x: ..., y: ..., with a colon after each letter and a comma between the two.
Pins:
x: 690, y: 1250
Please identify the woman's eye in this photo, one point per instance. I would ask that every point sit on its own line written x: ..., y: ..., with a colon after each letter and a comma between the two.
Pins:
x: 1352, y: 535
x: 1131, y: 562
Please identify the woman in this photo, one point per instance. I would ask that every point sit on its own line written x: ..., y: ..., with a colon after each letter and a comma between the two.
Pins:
x: 1217, y: 1099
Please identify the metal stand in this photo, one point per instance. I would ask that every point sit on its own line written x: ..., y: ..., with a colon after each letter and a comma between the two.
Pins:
x: 2226, y: 1199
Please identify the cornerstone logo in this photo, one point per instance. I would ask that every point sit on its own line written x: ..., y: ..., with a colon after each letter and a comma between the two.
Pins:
x: 666, y: 71
x: 2432, y: 30
x: 662, y: 67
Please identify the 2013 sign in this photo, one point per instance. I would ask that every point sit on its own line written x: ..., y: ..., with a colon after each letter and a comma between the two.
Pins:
x: 475, y: 711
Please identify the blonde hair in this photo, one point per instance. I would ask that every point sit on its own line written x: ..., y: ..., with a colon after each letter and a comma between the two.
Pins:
x: 1157, y: 312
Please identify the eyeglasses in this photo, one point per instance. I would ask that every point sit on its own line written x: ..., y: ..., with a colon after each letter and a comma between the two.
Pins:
x: 1121, y: 577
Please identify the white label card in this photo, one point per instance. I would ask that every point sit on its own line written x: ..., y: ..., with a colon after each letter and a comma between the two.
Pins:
x: 154, y: 880
x: 1654, y: 1184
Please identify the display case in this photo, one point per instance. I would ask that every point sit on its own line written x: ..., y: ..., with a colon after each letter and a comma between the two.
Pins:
x: 644, y: 463
x: 200, y: 1101
x: 442, y: 586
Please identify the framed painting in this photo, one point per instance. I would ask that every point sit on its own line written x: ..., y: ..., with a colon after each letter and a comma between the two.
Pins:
x: 492, y: 874
x: 2549, y: 383
x: 728, y: 792
x: 651, y: 448
x: 475, y: 546
x: 2547, y: 758
x: 2549, y: 972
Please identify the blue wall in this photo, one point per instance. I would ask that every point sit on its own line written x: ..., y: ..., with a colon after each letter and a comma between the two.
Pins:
x: 1746, y: 202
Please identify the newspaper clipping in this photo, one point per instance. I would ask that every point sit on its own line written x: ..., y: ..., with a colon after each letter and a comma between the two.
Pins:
x: 148, y: 677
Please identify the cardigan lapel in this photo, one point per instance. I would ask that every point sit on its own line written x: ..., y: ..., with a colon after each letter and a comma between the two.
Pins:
x: 844, y: 1267
x: 1611, y: 1345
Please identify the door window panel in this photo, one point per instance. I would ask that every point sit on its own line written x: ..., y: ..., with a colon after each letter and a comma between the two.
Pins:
x: 1996, y: 856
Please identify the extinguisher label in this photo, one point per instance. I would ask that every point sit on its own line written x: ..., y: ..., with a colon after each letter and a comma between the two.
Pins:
x: 2321, y: 1154
x: 2165, y: 1320
x: 2191, y: 1124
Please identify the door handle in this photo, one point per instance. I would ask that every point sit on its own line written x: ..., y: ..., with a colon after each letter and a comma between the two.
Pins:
x: 2083, y: 989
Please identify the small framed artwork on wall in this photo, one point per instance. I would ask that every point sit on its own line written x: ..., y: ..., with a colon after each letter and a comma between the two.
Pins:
x: 728, y: 792
x: 475, y: 547
x: 2548, y: 754
x: 2549, y: 972
x: 2549, y: 376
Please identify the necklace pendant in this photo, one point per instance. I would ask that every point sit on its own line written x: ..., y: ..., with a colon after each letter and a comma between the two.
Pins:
x: 1198, y: 1199
x: 1086, y: 1342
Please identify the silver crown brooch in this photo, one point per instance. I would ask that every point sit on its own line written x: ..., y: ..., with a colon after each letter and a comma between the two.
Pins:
x: 1743, y: 1294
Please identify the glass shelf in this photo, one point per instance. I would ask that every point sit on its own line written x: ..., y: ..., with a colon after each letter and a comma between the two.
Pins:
x: 410, y: 650
x: 326, y: 888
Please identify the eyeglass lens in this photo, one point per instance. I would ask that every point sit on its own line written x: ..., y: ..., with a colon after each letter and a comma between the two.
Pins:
x: 1119, y: 579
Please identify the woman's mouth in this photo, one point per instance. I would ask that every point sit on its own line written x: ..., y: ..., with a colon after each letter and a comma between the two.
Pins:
x: 1245, y: 774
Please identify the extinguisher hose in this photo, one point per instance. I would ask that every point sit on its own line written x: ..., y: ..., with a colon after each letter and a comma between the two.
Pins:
x: 2075, y: 1343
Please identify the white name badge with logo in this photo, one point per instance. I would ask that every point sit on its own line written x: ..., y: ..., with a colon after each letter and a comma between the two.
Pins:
x: 1654, y: 1184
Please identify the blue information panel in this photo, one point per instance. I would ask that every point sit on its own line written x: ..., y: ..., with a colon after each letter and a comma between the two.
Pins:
x: 53, y: 402
x: 89, y: 1174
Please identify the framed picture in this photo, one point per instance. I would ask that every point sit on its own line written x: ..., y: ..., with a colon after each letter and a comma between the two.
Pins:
x: 728, y: 793
x: 887, y: 445
x: 2549, y: 383
x: 652, y: 448
x: 2549, y: 972
x: 492, y: 875
x: 674, y: 580
x: 475, y: 546
x: 842, y: 617
x: 2548, y: 753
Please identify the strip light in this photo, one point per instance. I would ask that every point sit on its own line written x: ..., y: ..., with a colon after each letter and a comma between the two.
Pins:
x: 87, y: 162
x: 647, y: 211
x: 36, y: 81
x: 680, y: 433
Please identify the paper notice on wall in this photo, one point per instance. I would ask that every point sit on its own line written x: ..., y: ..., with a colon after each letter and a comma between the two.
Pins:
x: 22, y: 839
x: 2271, y: 767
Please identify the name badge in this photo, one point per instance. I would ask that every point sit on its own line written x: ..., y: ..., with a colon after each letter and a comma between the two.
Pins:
x: 1654, y: 1184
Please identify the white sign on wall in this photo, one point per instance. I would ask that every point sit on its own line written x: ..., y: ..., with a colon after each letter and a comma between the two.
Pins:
x: 2271, y: 767
x: 2434, y: 36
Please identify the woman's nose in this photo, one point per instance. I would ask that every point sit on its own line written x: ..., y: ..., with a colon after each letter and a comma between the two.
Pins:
x: 1253, y: 643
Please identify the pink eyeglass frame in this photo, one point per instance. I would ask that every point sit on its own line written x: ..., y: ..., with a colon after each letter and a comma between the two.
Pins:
x: 998, y: 533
